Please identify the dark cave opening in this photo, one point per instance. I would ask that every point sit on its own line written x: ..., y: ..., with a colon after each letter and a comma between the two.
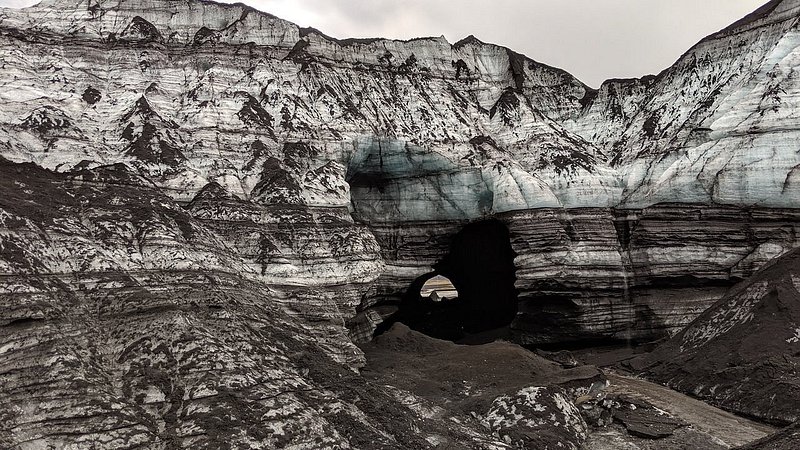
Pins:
x: 480, y: 265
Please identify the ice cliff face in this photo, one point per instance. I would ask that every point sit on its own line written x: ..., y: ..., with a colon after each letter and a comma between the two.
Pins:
x: 339, y: 170
x: 198, y: 92
x: 718, y: 126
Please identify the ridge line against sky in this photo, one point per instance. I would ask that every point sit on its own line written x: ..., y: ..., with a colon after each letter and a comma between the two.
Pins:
x: 594, y: 40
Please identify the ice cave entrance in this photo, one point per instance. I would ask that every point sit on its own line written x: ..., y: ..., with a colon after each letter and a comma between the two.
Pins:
x: 479, y: 269
x: 439, y: 289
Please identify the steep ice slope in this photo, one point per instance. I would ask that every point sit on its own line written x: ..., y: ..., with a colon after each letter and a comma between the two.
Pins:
x: 718, y: 126
x: 193, y: 92
x: 197, y: 92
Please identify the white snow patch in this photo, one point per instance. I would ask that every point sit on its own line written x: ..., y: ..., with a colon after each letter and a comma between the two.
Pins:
x: 796, y: 338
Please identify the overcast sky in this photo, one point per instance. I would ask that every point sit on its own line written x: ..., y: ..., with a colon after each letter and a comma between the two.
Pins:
x: 592, y: 39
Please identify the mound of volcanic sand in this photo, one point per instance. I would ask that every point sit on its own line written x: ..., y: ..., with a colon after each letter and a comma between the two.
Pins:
x: 519, y: 396
x: 743, y: 353
x: 785, y: 439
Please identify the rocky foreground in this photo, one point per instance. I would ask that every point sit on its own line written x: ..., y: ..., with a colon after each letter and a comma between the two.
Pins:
x: 165, y: 339
x: 126, y: 323
x: 130, y: 324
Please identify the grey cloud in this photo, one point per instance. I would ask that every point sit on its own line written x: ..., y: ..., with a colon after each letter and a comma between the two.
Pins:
x: 17, y: 3
x: 593, y: 39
